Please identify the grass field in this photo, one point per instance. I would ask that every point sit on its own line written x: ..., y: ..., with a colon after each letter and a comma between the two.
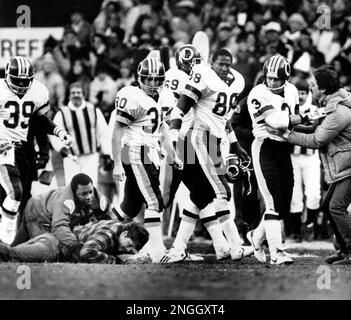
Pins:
x: 208, y: 280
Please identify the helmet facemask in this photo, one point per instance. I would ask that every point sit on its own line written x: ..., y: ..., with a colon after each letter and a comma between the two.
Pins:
x: 19, y: 85
x: 154, y: 89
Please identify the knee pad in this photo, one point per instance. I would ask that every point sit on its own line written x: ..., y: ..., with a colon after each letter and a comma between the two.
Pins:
x: 190, y: 211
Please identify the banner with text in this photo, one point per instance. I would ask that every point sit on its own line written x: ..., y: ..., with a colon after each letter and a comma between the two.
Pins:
x: 26, y: 42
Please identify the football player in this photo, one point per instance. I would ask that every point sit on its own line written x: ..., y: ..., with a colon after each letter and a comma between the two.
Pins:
x: 21, y: 98
x: 271, y: 106
x: 135, y: 148
x: 210, y: 92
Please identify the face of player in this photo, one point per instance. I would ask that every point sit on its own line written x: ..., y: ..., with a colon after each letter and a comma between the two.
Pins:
x: 76, y: 96
x: 316, y: 92
x: 274, y: 83
x: 126, y: 244
x: 222, y: 66
x: 152, y: 84
x: 302, y: 97
x: 85, y: 194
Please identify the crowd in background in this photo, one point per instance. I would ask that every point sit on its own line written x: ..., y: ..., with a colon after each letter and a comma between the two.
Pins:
x: 102, y: 54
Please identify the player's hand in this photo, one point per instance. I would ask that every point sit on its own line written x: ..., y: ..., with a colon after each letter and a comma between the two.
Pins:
x: 239, y: 151
x: 65, y: 138
x: 118, y: 172
x: 177, y: 163
x: 5, y: 145
x: 310, y: 117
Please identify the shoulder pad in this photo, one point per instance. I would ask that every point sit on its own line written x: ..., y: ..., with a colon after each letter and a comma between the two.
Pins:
x: 70, y: 205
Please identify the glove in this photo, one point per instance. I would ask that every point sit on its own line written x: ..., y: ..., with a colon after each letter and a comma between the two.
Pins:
x: 65, y: 138
x: 312, y: 116
x: 4, y: 146
x: 64, y: 152
x: 107, y: 162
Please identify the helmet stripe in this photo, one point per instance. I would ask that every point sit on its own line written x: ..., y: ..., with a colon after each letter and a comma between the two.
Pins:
x: 19, y: 65
x: 276, y: 65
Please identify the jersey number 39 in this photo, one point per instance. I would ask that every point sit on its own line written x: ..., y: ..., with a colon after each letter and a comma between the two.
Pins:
x: 26, y: 109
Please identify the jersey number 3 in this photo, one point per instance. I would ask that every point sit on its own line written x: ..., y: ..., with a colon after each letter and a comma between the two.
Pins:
x: 15, y: 110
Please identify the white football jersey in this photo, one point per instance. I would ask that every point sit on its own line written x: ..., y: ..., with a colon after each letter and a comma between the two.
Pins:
x: 142, y: 114
x: 36, y: 99
x: 176, y: 80
x: 214, y: 97
x: 261, y: 102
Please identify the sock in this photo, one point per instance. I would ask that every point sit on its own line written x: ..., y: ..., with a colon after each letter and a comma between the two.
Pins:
x: 274, y: 236
x: 311, y: 216
x: 152, y: 223
x: 227, y: 222
x: 209, y: 219
x: 259, y: 233
x: 186, y: 229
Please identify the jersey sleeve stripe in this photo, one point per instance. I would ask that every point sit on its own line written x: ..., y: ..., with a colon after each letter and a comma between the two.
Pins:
x: 176, y: 94
x: 124, y: 117
x: 192, y: 92
x: 262, y: 111
x: 43, y: 109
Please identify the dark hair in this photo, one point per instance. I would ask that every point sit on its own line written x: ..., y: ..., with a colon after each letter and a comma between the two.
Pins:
x: 76, y: 85
x: 302, y: 85
x: 222, y: 52
x: 80, y: 179
x: 137, y: 233
x: 327, y: 79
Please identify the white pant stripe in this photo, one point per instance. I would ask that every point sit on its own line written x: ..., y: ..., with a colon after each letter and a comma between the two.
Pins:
x: 207, y: 164
x: 261, y: 181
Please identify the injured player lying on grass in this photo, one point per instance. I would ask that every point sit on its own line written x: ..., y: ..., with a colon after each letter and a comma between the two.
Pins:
x: 101, y: 242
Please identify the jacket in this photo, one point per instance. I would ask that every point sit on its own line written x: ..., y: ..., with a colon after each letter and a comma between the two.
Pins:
x: 58, y: 211
x: 332, y: 136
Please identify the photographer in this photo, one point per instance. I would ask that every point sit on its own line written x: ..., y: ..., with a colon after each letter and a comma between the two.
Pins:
x: 333, y: 139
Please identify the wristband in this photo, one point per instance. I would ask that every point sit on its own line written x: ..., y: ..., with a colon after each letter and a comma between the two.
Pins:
x: 232, y: 137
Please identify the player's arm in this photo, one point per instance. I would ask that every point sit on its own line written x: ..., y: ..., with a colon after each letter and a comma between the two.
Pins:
x: 126, y: 114
x: 235, y: 146
x: 62, y: 232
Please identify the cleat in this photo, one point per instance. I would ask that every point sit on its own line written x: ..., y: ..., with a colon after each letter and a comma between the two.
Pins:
x: 282, y: 258
x: 241, y: 252
x: 193, y: 257
x: 223, y: 254
x: 333, y: 259
x: 173, y: 255
x: 259, y: 253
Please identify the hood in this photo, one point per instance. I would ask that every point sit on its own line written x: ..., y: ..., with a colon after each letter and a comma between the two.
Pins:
x: 342, y: 96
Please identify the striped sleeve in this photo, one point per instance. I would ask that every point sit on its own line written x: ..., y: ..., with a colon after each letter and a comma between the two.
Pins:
x: 127, y: 109
x: 259, y: 108
x: 99, y: 242
x: 195, y: 85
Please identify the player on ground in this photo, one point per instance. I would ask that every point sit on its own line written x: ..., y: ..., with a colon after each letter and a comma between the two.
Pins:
x: 22, y: 98
x: 210, y: 92
x: 135, y: 148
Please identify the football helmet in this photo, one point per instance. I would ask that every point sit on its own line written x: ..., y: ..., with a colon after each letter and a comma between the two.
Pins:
x: 19, y: 74
x: 186, y: 57
x: 277, y: 67
x: 151, y: 75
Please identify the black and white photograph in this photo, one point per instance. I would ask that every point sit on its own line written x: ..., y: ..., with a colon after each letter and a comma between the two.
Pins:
x: 175, y: 156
